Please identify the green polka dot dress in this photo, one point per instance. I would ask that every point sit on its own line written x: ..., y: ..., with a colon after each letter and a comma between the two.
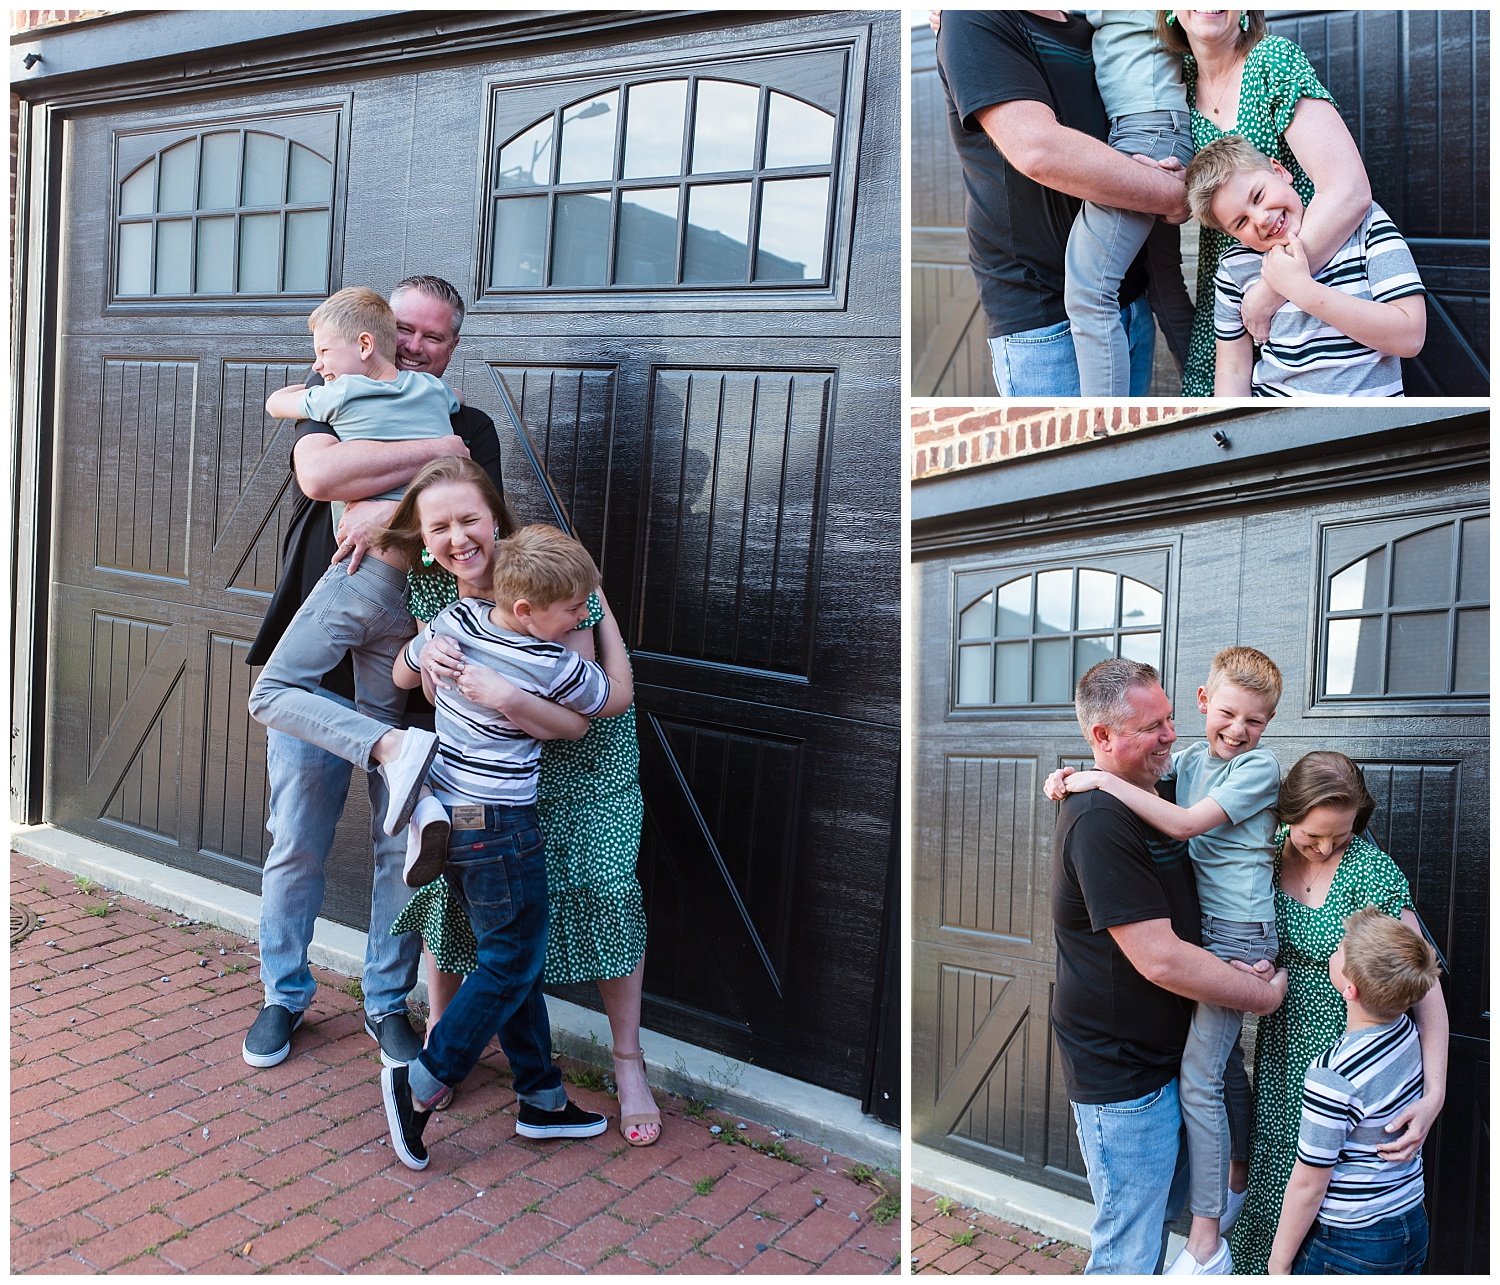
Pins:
x: 589, y: 800
x: 1310, y: 1021
x: 1276, y: 75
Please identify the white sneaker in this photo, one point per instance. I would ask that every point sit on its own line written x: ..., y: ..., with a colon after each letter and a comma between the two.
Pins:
x: 1186, y: 1265
x: 406, y: 774
x: 426, y: 841
x: 1234, y: 1202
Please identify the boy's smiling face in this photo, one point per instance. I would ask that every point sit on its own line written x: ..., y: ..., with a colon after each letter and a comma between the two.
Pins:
x: 1258, y: 208
x: 1236, y: 718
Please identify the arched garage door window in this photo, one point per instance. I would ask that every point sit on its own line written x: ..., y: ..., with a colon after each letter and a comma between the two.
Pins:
x: 698, y: 178
x: 1027, y: 638
x: 227, y: 211
x: 1405, y: 610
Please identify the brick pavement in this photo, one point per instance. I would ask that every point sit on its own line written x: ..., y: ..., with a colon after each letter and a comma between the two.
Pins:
x: 141, y: 1142
x: 948, y: 1239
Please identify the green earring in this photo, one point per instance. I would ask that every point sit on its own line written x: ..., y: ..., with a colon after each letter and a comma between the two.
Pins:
x: 427, y: 558
x: 1244, y: 22
x: 1171, y: 18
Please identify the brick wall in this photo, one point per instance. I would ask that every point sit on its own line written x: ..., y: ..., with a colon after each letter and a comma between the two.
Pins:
x: 945, y: 439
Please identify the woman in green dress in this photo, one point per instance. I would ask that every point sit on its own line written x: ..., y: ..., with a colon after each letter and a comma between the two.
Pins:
x: 1324, y: 872
x: 589, y: 801
x: 1240, y: 80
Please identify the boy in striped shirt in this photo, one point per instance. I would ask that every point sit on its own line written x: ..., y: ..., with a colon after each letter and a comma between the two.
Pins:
x: 1344, y: 329
x: 1346, y: 1211
x: 485, y: 775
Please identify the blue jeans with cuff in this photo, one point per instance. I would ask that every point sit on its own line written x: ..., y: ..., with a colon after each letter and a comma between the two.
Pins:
x: 498, y: 871
x: 1395, y: 1246
x: 1138, y: 1178
x: 1041, y: 362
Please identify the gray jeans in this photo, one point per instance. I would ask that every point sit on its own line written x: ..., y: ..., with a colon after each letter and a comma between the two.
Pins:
x: 365, y: 615
x: 1212, y: 1116
x: 1101, y: 247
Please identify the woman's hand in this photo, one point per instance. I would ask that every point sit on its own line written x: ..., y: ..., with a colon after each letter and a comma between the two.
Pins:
x: 1054, y: 786
x: 442, y: 662
x: 484, y: 686
x: 1410, y: 1129
x: 1259, y: 306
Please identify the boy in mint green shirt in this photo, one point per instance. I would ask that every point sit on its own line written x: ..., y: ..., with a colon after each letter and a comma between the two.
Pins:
x: 1226, y: 790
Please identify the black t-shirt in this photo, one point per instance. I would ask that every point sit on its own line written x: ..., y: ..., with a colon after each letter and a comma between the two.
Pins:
x: 1018, y: 229
x: 1119, y: 1036
x: 308, y: 547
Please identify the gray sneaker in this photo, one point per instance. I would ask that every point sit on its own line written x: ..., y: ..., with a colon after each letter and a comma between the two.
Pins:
x: 270, y: 1039
x: 399, y: 1044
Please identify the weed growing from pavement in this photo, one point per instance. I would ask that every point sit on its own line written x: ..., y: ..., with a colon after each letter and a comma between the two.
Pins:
x: 535, y: 1207
x: 44, y: 889
x: 99, y: 911
x: 945, y: 1205
x: 85, y: 885
x: 885, y: 1209
x: 231, y: 969
x: 354, y: 990
x: 965, y: 1238
x: 704, y: 1185
x: 585, y: 1077
x: 695, y: 1108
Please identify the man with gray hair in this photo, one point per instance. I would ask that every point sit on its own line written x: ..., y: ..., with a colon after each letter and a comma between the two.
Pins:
x: 1129, y: 969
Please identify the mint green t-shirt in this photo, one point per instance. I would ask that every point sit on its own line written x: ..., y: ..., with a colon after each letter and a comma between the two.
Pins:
x: 1133, y: 71
x: 1232, y: 862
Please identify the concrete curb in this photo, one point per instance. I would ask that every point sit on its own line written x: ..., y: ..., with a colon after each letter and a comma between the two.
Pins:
x: 804, y: 1111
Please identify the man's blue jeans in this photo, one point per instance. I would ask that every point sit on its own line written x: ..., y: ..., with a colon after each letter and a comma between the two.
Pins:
x: 308, y: 789
x: 1395, y: 1246
x: 1042, y: 363
x: 1137, y: 1176
x: 499, y: 874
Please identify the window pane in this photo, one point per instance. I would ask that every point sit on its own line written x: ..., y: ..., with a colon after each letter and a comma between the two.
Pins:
x: 718, y: 233
x: 793, y: 226
x: 1145, y: 648
x: 1359, y: 586
x: 1140, y: 604
x: 1015, y: 608
x: 177, y: 184
x: 1422, y: 568
x: 260, y: 253
x: 973, y: 675
x: 219, y: 178
x: 174, y: 250
x: 135, y: 258
x: 265, y: 169
x: 653, y: 128
x: 311, y: 178
x: 1012, y: 676
x: 1090, y: 651
x: 527, y: 161
x: 1472, y: 667
x: 978, y: 619
x: 1353, y: 667
x: 520, y: 252
x: 647, y: 251
x: 1419, y: 654
x: 1096, y: 600
x: 1474, y: 580
x: 1054, y: 671
x: 798, y: 133
x: 581, y: 241
x: 215, y: 256
x: 1054, y: 602
x: 138, y: 192
x: 307, y: 251
x: 588, y: 140
x: 724, y: 127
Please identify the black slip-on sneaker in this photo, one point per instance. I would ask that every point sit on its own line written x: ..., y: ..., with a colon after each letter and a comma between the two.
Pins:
x: 402, y: 1117
x: 270, y: 1038
x: 571, y: 1122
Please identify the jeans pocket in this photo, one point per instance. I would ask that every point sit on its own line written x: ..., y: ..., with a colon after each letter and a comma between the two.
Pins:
x: 351, y: 614
x: 1133, y: 1107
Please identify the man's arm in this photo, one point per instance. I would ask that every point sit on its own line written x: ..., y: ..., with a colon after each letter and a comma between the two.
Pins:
x: 1160, y: 956
x: 1029, y: 136
x: 328, y: 469
x: 1234, y: 362
x: 1299, y: 1210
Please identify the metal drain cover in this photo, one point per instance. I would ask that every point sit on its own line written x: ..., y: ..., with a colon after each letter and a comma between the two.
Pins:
x: 22, y: 921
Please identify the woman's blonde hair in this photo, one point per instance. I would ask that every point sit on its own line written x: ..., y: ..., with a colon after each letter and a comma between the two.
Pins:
x: 404, y: 532
x: 1174, y: 40
x: 1324, y: 779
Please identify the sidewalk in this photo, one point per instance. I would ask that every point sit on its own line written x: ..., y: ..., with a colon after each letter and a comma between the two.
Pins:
x: 142, y: 1142
x: 948, y: 1239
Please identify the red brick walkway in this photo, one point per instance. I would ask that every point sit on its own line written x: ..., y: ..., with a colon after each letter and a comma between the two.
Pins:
x: 141, y: 1142
x: 948, y: 1239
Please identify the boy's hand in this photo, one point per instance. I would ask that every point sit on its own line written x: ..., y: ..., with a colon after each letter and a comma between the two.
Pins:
x: 442, y: 662
x: 1284, y: 267
x: 484, y: 686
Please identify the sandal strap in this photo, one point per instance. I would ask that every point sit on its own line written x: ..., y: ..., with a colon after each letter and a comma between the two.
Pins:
x: 638, y: 1056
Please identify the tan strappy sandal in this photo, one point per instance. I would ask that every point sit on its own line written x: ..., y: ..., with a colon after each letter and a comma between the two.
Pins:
x: 636, y: 1121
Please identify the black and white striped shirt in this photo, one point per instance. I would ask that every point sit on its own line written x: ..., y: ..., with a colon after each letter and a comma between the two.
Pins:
x: 1350, y: 1094
x: 482, y: 756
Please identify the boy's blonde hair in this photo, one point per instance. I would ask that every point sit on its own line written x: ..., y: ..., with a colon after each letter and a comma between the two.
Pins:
x: 355, y: 311
x: 1390, y: 966
x: 1245, y: 667
x: 1214, y: 166
x: 544, y: 566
